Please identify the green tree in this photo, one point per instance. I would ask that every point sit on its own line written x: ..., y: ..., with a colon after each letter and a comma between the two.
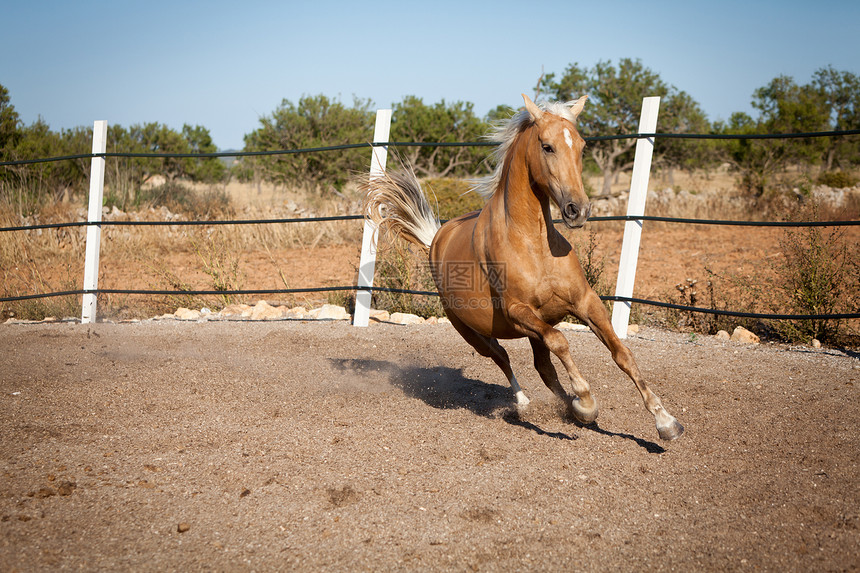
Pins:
x: 500, y: 113
x: 614, y: 106
x: 316, y: 121
x: 124, y: 176
x: 784, y: 107
x: 30, y: 185
x: 680, y: 113
x: 206, y: 170
x: 158, y: 138
x: 414, y: 121
x: 755, y: 160
x: 10, y: 123
x: 841, y: 93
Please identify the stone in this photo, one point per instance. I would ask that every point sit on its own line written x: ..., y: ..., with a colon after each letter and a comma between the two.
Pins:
x: 744, y: 336
x: 297, y: 312
x: 406, y: 318
x: 379, y: 315
x: 570, y: 326
x: 632, y: 329
x: 186, y: 314
x: 815, y: 343
x: 722, y: 335
x: 329, y: 312
x: 264, y: 311
x: 236, y: 310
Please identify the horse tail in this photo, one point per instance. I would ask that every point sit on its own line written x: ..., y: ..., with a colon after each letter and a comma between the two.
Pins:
x: 397, y: 204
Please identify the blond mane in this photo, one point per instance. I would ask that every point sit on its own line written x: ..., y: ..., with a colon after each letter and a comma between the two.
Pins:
x: 505, y: 131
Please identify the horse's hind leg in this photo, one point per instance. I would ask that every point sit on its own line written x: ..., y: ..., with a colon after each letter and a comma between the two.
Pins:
x: 546, y: 338
x: 594, y: 314
x: 491, y: 348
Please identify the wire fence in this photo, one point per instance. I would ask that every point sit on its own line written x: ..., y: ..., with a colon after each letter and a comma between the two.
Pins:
x: 353, y: 288
x: 346, y: 146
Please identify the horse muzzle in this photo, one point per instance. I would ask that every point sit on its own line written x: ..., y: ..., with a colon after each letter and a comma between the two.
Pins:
x: 574, y: 216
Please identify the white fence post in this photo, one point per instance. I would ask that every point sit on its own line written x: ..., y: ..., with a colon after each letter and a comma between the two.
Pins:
x: 94, y: 218
x: 635, y: 208
x: 367, y: 263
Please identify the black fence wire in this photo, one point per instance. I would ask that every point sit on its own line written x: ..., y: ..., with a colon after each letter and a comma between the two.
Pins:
x: 292, y: 291
x: 352, y: 288
x: 355, y: 217
x: 802, y: 135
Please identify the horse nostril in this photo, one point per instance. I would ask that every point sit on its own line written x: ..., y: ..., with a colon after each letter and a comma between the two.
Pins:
x: 571, y: 211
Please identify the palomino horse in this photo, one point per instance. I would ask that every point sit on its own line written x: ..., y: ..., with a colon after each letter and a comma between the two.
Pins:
x: 505, y: 271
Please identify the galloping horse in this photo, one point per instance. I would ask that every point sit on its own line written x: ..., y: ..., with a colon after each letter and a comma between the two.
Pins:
x: 505, y: 271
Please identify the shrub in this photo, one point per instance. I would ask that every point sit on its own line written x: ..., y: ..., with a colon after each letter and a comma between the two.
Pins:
x: 402, y: 267
x: 178, y: 198
x: 453, y: 197
x: 838, y: 179
x: 818, y: 275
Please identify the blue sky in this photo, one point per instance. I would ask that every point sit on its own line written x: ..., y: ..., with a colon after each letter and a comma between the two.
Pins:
x: 223, y: 65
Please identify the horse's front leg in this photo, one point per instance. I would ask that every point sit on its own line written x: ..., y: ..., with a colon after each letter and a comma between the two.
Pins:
x: 594, y: 314
x: 545, y: 339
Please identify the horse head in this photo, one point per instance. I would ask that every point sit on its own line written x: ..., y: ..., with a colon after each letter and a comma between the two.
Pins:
x: 555, y: 158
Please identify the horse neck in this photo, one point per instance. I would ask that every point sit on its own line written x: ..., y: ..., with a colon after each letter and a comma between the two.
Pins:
x: 517, y: 199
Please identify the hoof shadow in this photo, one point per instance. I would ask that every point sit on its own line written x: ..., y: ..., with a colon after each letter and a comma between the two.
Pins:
x: 649, y: 447
x: 513, y: 418
x: 446, y: 388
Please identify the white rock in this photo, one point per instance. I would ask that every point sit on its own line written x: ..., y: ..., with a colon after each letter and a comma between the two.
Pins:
x: 264, y: 311
x: 234, y: 310
x: 406, y: 318
x: 379, y: 315
x: 722, y: 335
x: 186, y: 314
x: 743, y: 335
x: 329, y: 312
x: 570, y: 326
x: 297, y: 312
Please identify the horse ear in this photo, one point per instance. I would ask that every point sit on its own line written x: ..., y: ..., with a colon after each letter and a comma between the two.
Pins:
x: 576, y: 107
x: 534, y: 111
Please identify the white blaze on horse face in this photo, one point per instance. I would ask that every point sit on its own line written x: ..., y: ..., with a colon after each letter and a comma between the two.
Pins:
x: 568, y: 138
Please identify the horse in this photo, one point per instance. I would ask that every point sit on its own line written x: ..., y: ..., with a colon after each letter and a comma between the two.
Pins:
x: 505, y: 271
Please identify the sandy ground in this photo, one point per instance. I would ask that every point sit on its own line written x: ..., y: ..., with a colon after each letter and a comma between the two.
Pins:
x: 241, y: 446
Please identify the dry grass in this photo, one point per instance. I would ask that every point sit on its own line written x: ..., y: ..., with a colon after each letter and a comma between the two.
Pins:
x: 157, y: 257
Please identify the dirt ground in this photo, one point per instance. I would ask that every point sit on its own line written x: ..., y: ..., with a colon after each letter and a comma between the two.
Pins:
x: 289, y: 445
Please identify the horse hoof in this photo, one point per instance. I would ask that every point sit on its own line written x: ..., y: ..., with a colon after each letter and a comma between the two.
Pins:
x: 583, y: 415
x: 522, y: 402
x: 671, y: 432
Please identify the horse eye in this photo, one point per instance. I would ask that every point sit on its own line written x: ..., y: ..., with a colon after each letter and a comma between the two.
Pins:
x: 548, y: 148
